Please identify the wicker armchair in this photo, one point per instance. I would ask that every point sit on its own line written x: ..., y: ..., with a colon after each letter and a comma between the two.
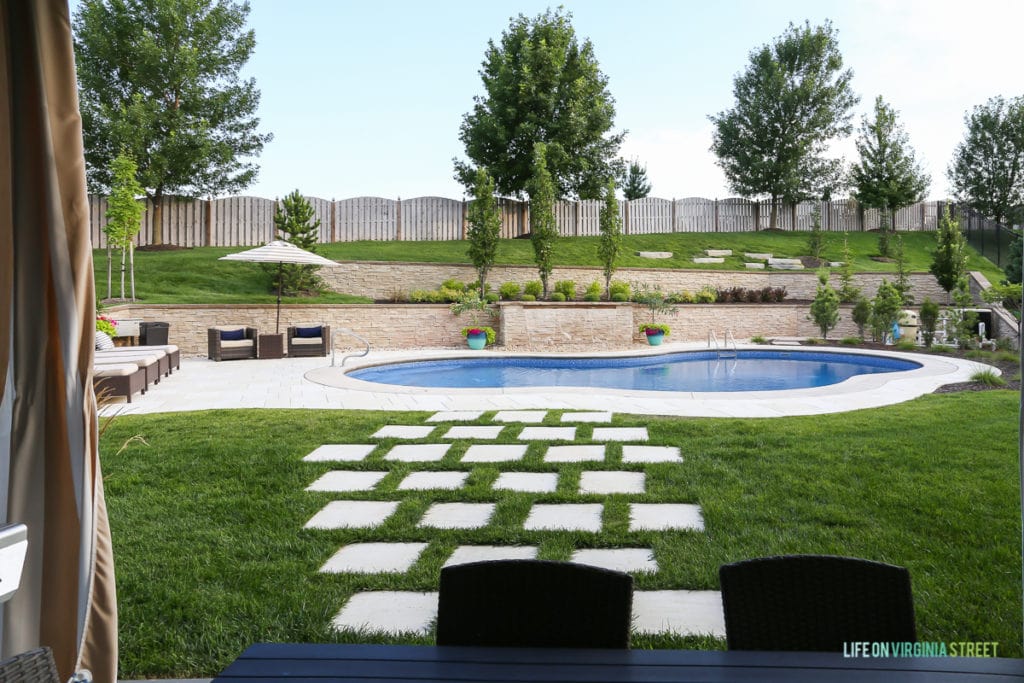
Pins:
x: 34, y: 666
x: 231, y: 349
x: 534, y: 603
x: 815, y: 603
x: 303, y: 342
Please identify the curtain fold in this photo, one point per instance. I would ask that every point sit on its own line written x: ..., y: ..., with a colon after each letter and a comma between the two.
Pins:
x: 47, y: 303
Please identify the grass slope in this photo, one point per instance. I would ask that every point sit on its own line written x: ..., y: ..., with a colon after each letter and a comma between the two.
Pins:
x: 207, y: 517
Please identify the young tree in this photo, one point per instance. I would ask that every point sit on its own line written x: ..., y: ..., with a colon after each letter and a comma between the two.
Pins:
x: 124, y: 215
x: 542, y: 85
x: 848, y: 291
x: 543, y: 229
x: 861, y: 315
x: 949, y: 263
x: 635, y: 184
x: 987, y: 171
x: 902, y: 283
x: 484, y: 231
x: 887, y: 177
x: 816, y: 238
x: 825, y: 307
x: 885, y: 310
x: 160, y: 79
x: 791, y: 101
x: 296, y: 222
x: 609, y: 244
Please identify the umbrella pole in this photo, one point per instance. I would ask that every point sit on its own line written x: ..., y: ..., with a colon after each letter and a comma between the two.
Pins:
x: 280, y: 276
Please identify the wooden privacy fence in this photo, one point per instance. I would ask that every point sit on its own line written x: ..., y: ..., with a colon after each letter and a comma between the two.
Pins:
x: 247, y: 221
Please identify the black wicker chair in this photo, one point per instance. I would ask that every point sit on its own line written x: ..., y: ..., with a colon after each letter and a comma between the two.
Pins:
x: 317, y: 345
x: 34, y: 666
x: 815, y: 603
x: 534, y: 603
x: 219, y: 349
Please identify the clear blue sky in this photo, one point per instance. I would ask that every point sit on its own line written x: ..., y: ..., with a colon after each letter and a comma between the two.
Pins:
x: 366, y: 98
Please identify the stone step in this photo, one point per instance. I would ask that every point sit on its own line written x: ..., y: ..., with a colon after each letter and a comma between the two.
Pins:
x: 699, y: 259
x: 718, y: 252
x: 757, y: 256
x: 654, y: 254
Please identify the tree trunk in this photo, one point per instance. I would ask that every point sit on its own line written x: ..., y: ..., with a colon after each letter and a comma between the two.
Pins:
x: 131, y: 261
x: 110, y: 267
x: 158, y: 210
x: 775, y: 213
x: 122, y: 272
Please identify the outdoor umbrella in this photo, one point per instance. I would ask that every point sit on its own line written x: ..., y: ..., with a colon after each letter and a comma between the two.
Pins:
x: 279, y: 252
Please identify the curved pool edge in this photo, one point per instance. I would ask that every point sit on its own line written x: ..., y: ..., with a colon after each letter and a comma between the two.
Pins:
x: 856, y: 393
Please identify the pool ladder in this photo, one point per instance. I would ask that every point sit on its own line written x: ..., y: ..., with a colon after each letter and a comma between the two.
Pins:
x: 726, y: 350
x: 344, y: 358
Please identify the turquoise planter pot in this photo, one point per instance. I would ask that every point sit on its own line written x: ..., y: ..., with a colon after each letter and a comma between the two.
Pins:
x: 477, y: 341
x: 656, y: 339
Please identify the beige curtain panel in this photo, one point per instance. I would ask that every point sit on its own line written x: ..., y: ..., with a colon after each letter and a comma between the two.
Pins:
x: 49, y: 466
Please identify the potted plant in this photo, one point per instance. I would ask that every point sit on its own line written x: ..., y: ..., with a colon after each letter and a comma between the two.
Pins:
x: 656, y: 303
x: 655, y: 332
x: 477, y: 336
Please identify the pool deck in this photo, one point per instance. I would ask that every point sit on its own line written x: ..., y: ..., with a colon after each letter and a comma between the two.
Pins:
x: 202, y: 384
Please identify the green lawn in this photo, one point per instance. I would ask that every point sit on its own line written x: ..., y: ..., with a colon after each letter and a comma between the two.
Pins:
x: 207, y: 514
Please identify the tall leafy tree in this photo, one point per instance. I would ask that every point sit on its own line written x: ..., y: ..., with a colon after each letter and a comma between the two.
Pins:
x: 543, y: 228
x: 296, y: 222
x: 635, y: 184
x: 124, y: 216
x: 791, y: 101
x: 484, y: 231
x: 160, y: 78
x: 609, y: 244
x: 887, y: 176
x: 949, y: 263
x: 987, y: 171
x: 541, y: 85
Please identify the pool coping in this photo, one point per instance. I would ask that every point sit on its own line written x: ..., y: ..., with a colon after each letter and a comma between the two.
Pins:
x: 856, y: 393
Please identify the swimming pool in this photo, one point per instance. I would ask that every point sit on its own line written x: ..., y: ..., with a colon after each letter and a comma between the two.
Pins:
x: 690, y: 371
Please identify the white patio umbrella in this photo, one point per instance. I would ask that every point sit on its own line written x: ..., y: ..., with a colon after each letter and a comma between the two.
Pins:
x: 279, y: 252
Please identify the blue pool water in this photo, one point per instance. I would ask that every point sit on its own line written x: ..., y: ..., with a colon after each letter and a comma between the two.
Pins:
x: 686, y: 371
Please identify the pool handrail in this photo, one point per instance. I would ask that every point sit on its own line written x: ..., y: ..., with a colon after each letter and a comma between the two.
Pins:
x: 344, y: 358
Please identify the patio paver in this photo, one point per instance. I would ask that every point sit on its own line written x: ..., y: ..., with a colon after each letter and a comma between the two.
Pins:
x: 620, y: 434
x: 520, y: 416
x: 473, y: 432
x: 494, y: 453
x: 665, y: 516
x: 565, y: 517
x: 619, y: 559
x: 683, y: 612
x: 532, y: 482
x: 352, y: 514
x: 374, y: 558
x: 457, y: 515
x: 584, y: 453
x: 402, y: 432
x: 426, y: 452
x: 547, y: 434
x: 388, y: 612
x: 612, y: 482
x: 587, y: 417
x: 348, y: 452
x: 425, y: 481
x: 480, y: 553
x: 455, y: 416
x: 344, y: 480
x: 635, y: 454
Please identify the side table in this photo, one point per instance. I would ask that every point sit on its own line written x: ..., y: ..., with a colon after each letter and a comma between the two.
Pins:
x: 270, y: 346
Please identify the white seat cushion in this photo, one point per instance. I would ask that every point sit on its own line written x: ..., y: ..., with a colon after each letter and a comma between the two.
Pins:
x: 310, y: 341
x: 114, y: 370
x: 236, y: 344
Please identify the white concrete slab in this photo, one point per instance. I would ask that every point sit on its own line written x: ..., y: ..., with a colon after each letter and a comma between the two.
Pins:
x: 665, y: 516
x: 520, y: 416
x: 707, y: 259
x: 634, y: 454
x: 494, y: 453
x: 612, y: 482
x: 547, y: 434
x: 344, y: 480
x: 465, y: 554
x: 618, y: 559
x: 565, y: 517
x: 683, y: 612
x: 390, y: 612
x: 374, y: 558
x: 473, y: 432
x: 425, y: 481
x: 718, y: 252
x: 757, y: 256
x: 457, y: 515
x: 402, y: 432
x: 455, y: 416
x: 531, y: 482
x: 425, y: 452
x: 654, y: 254
x: 580, y: 453
x: 587, y: 417
x: 754, y: 266
x: 341, y: 452
x: 352, y: 514
x: 620, y: 434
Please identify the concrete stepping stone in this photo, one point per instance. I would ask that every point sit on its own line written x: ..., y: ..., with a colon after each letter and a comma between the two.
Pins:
x: 620, y: 434
x: 718, y: 252
x: 494, y: 453
x: 654, y: 254
x: 426, y: 481
x: 634, y: 454
x: 758, y: 256
x: 530, y: 482
x: 473, y: 432
x: 683, y: 612
x: 707, y: 259
x: 587, y: 417
x: 352, y: 514
x: 457, y: 515
x: 426, y: 452
x: 836, y: 264
x: 618, y: 559
x: 402, y: 432
x: 565, y: 517
x: 348, y: 452
x: 374, y: 558
x: 754, y: 266
x: 547, y: 434
x: 465, y: 554
x: 612, y: 482
x: 582, y: 453
x: 665, y: 516
x: 391, y: 612
x: 343, y: 480
x: 455, y: 416
x: 520, y: 416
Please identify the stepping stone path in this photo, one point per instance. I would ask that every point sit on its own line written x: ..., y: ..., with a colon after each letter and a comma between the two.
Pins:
x: 683, y: 612
x: 654, y: 254
x: 786, y: 263
x: 707, y: 259
x: 718, y: 252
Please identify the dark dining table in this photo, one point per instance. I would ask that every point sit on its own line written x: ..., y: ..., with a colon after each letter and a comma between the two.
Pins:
x: 320, y: 663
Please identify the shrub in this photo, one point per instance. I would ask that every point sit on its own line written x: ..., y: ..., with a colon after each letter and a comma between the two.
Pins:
x: 534, y: 288
x: 758, y: 339
x: 825, y: 307
x: 905, y: 345
x: 620, y: 297
x: 988, y: 378
x: 557, y: 296
x: 706, y: 295
x: 1009, y: 295
x: 619, y: 287
x: 567, y: 288
x: 851, y: 341
x: 813, y: 341
x: 591, y: 297
x: 491, y: 298
x: 752, y: 296
x: 929, y: 319
x: 419, y: 296
x: 528, y: 297
x: 683, y: 297
x: 885, y: 310
x: 592, y: 289
x: 454, y: 284
x: 436, y: 296
x: 397, y: 296
x: 509, y: 290
x: 861, y: 315
x: 450, y: 294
